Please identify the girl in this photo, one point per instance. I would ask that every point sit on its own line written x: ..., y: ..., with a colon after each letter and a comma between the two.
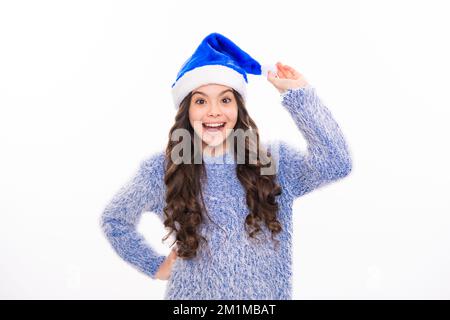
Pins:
x: 232, y: 219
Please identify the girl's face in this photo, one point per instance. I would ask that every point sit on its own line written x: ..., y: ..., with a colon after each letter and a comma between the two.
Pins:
x: 213, y: 113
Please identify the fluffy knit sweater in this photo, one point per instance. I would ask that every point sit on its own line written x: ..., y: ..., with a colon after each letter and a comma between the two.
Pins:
x: 233, y: 265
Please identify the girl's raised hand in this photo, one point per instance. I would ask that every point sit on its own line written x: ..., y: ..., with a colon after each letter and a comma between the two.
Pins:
x: 286, y: 78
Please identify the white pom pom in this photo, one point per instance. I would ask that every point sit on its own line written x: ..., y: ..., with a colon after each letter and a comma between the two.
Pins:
x: 266, y: 67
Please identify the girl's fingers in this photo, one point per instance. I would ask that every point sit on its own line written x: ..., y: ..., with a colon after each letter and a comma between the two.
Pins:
x: 281, y: 73
x: 288, y: 74
x: 173, y: 254
x: 294, y: 72
x: 289, y: 71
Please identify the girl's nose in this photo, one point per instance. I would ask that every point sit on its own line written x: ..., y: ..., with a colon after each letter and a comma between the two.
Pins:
x: 214, y: 110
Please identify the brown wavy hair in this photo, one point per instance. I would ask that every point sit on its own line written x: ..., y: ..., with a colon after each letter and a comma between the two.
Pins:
x: 184, y: 211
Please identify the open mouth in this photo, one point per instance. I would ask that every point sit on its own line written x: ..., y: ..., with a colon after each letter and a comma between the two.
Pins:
x: 213, y: 127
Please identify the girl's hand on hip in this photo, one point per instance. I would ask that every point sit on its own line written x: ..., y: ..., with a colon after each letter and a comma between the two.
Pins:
x: 286, y: 78
x: 165, y: 269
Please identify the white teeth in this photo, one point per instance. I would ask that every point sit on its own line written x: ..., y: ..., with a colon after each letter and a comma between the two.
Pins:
x: 213, y: 125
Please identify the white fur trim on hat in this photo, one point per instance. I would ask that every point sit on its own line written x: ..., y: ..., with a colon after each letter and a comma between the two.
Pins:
x: 266, y: 67
x: 199, y: 76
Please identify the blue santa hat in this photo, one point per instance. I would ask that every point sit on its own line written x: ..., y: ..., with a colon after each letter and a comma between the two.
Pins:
x: 217, y: 60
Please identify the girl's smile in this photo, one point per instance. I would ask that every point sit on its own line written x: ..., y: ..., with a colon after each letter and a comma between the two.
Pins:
x: 214, y: 126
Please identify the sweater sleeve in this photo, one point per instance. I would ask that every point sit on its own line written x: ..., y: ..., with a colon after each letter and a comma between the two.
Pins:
x: 327, y: 158
x: 121, y: 216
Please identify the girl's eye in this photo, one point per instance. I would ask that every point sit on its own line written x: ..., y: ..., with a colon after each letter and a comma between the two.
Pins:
x: 224, y: 100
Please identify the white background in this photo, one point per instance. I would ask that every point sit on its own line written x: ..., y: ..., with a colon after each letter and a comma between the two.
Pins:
x: 85, y: 96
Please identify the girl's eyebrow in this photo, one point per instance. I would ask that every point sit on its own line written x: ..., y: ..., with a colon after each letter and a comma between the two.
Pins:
x: 202, y: 93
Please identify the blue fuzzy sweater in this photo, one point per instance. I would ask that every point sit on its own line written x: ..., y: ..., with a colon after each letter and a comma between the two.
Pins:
x: 232, y: 265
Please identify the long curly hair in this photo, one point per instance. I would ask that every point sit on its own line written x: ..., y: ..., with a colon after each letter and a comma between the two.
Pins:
x: 184, y: 210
